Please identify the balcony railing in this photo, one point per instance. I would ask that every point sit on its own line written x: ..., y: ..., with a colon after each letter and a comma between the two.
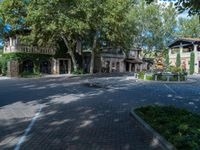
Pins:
x: 26, y: 49
x: 112, y: 55
x: 184, y: 54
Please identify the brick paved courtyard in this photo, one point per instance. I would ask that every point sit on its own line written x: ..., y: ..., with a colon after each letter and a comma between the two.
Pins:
x: 76, y: 116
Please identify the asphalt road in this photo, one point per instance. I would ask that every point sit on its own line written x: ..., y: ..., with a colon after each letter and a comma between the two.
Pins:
x: 84, y: 114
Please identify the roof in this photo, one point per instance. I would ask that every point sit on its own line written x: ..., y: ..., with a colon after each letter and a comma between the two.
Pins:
x: 134, y: 61
x: 185, y: 42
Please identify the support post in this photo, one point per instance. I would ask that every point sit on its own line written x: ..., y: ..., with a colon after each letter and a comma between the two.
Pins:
x: 130, y: 67
x: 196, y: 63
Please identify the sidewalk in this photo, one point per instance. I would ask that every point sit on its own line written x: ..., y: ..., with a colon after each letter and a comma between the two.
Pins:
x: 5, y: 78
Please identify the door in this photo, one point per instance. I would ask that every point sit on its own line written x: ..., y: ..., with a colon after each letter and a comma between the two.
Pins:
x: 63, y: 66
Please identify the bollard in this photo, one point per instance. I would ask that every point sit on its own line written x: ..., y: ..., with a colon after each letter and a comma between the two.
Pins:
x: 156, y: 77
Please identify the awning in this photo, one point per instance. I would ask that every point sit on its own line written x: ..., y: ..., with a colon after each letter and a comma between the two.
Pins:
x: 134, y: 61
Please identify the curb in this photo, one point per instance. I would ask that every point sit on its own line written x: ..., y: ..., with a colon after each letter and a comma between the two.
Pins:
x: 189, y: 81
x: 163, y: 143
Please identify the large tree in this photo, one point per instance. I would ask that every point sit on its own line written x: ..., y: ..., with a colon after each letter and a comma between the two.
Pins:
x: 13, y: 14
x: 109, y: 21
x: 192, y: 6
x: 188, y: 27
x: 156, y: 25
x: 57, y: 20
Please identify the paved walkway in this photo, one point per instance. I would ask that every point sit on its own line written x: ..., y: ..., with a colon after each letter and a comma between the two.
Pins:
x: 77, y: 116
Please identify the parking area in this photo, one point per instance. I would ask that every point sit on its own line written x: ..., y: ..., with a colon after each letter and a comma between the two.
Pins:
x: 79, y: 113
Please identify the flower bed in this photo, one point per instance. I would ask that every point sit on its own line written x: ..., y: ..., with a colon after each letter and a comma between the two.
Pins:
x: 162, y: 76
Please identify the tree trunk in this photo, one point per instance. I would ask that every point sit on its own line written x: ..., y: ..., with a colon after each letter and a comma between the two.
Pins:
x: 93, y: 54
x: 75, y: 66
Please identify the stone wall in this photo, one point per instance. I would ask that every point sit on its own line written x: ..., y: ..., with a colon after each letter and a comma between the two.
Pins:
x: 13, y: 68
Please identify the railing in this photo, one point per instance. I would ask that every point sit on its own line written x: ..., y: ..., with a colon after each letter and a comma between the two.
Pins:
x: 26, y: 49
x: 184, y: 54
x: 112, y: 55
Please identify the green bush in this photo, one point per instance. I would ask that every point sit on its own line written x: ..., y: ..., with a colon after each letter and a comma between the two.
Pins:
x: 78, y: 71
x: 167, y: 59
x: 3, y: 66
x: 174, y: 78
x: 141, y: 75
x: 160, y: 77
x: 174, y: 69
x: 149, y: 77
x: 192, y: 56
x: 178, y: 126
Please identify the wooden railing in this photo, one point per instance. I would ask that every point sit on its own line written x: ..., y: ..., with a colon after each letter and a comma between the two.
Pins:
x: 26, y: 49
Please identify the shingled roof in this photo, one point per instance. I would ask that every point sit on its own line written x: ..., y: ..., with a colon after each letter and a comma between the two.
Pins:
x: 185, y: 42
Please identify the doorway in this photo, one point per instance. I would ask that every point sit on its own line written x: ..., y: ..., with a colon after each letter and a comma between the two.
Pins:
x: 63, y: 67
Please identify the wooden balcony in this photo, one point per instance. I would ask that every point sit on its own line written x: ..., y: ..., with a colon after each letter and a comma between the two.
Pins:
x: 26, y: 49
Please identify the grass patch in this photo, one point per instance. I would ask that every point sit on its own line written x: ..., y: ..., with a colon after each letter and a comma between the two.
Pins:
x: 179, y: 126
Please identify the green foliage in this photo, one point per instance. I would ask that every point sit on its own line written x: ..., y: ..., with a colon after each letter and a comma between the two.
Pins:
x: 167, y: 60
x: 174, y: 78
x: 189, y: 27
x: 149, y: 77
x: 3, y: 66
x: 192, y: 61
x: 36, y: 58
x: 178, y: 126
x: 174, y: 69
x: 25, y: 56
x: 192, y: 6
x: 162, y: 78
x: 78, y: 71
x: 155, y: 25
x: 178, y: 60
x: 13, y: 12
x: 141, y: 75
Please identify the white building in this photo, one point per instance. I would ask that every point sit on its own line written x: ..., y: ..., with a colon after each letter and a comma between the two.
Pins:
x: 185, y: 46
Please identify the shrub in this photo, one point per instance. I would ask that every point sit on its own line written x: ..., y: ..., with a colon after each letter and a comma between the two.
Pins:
x: 78, y: 71
x: 178, y: 126
x: 3, y: 66
x: 174, y: 78
x: 192, y: 56
x: 178, y: 60
x: 149, y: 77
x: 141, y: 75
x: 167, y: 59
x: 174, y: 69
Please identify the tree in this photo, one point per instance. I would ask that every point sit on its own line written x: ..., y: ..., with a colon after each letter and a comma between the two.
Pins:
x: 188, y: 27
x: 192, y: 57
x: 109, y: 21
x: 165, y: 54
x: 156, y: 25
x: 13, y: 13
x: 57, y: 20
x: 178, y: 60
x: 192, y: 6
